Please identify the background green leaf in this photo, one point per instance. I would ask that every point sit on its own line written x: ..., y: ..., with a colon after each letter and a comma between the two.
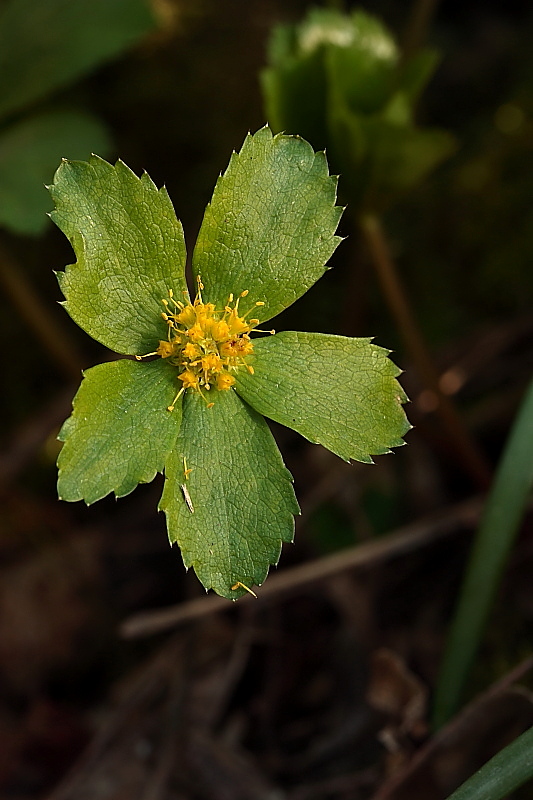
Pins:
x: 241, y: 493
x: 303, y: 77
x: 338, y: 80
x: 29, y: 154
x: 354, y: 50
x: 338, y: 392
x: 270, y: 225
x: 45, y: 45
x: 401, y: 157
x: 361, y: 64
x: 417, y: 72
x: 382, y: 156
x: 130, y: 251
x: 120, y: 431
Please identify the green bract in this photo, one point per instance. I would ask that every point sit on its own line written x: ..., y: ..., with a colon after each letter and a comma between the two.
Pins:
x: 195, y: 411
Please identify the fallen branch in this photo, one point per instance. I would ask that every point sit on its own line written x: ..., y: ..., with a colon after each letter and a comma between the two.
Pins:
x: 407, y: 538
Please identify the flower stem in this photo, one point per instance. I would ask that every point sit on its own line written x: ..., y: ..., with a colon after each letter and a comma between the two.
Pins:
x: 467, y: 451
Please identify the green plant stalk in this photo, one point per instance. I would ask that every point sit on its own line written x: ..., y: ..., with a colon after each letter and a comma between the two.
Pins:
x: 505, y: 508
x: 509, y: 769
x: 467, y: 452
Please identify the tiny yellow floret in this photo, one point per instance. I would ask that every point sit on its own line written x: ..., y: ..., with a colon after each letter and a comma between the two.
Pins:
x: 186, y: 317
x: 191, y: 351
x: 225, y: 381
x: 220, y: 331
x: 206, y: 344
x: 212, y: 363
x: 189, y: 379
x: 166, y: 349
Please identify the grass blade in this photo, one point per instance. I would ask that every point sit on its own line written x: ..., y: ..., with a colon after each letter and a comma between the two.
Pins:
x: 503, y: 513
x: 509, y: 769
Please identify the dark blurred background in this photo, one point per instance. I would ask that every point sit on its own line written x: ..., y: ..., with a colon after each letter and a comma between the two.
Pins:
x: 322, y: 689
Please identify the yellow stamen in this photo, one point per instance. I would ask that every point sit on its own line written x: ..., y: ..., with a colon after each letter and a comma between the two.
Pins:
x: 186, y: 471
x: 172, y: 406
x: 241, y: 585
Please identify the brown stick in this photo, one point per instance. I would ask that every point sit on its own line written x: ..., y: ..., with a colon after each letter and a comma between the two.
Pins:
x: 468, y: 454
x: 422, y: 12
x: 404, y: 540
x: 48, y: 330
x: 26, y: 440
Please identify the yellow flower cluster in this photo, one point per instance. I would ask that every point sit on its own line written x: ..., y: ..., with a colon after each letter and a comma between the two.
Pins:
x: 206, y: 344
